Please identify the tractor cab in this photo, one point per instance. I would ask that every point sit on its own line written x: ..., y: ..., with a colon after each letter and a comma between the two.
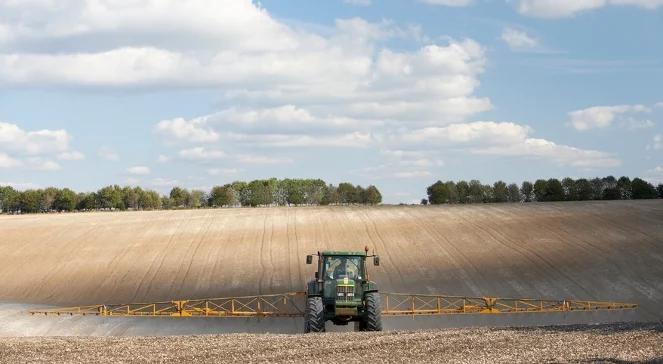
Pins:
x: 341, y: 290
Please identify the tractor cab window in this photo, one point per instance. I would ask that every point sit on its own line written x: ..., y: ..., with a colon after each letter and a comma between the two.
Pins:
x: 342, y: 267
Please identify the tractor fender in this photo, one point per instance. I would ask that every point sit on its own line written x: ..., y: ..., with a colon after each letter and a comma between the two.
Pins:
x: 369, y: 286
x: 312, y: 289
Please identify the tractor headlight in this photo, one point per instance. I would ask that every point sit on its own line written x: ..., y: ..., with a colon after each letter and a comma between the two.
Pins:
x: 340, y: 294
x: 350, y: 294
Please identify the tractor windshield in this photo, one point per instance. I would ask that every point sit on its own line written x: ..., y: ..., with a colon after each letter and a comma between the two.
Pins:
x: 336, y: 267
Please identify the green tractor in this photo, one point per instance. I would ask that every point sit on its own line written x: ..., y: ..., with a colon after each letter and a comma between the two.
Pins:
x: 341, y: 292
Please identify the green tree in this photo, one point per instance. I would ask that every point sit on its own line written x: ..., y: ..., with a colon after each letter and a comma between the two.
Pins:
x: 65, y: 200
x: 500, y: 192
x: 197, y: 199
x: 111, y: 197
x: 179, y: 197
x: 527, y: 191
x: 540, y: 187
x: 86, y: 202
x: 463, y: 189
x: 261, y: 193
x: 220, y: 196
x: 583, y: 190
x: 30, y: 200
x: 476, y: 191
x: 568, y: 186
x: 8, y: 199
x: 346, y: 192
x: 47, y: 199
x: 554, y: 190
x: 513, y: 193
x: 373, y: 195
x: 424, y: 201
x: 659, y: 190
x: 597, y: 188
x: 331, y: 196
x: 642, y: 189
x: 624, y: 186
x: 437, y: 193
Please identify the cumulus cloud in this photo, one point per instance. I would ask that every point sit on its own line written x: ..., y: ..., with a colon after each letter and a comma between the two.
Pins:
x: 201, y: 153
x: 567, y: 8
x: 657, y: 142
x: 260, y: 159
x: 33, y: 149
x: 518, y: 39
x: 602, y: 116
x: 187, y: 130
x: 139, y: 170
x: 222, y: 171
x: 507, y: 139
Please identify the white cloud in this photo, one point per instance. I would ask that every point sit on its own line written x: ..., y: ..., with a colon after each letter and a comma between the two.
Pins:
x: 71, y: 156
x: 7, y: 161
x: 201, y: 153
x: 163, y: 158
x: 566, y: 8
x: 139, y: 170
x: 518, y: 39
x: 601, y: 116
x: 358, y: 2
x: 164, y: 182
x: 15, y: 139
x: 108, y: 154
x: 187, y: 130
x: 41, y: 164
x: 448, y: 2
x: 507, y: 139
x: 222, y: 171
x: 21, y: 186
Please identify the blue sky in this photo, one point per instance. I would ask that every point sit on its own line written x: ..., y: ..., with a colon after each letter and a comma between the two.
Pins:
x: 392, y: 93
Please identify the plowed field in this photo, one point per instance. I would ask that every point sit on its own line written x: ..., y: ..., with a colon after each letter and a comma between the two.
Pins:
x: 588, y: 250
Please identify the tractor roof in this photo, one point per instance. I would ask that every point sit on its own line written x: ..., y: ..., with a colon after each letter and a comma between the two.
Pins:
x: 341, y: 252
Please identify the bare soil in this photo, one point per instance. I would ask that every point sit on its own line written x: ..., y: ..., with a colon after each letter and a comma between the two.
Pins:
x: 623, y: 343
x: 581, y: 250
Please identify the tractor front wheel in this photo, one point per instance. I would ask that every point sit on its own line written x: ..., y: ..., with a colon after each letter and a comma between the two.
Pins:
x: 314, y: 316
x: 373, y: 312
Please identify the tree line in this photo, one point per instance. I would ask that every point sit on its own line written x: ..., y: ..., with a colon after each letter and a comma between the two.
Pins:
x: 267, y: 192
x: 568, y: 189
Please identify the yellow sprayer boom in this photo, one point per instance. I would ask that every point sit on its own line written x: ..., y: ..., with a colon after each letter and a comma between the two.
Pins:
x: 292, y: 304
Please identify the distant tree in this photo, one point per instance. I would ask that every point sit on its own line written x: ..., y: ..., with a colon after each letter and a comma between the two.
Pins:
x: 220, y: 196
x: 110, y: 197
x: 261, y: 193
x: 463, y: 189
x: 373, y: 195
x: 8, y: 199
x: 624, y: 186
x: 346, y: 192
x: 513, y: 193
x: 568, y: 186
x: 47, y: 199
x: 437, y: 193
x: 527, y: 191
x: 554, y: 190
x: 179, y: 197
x: 500, y: 192
x: 476, y: 191
x: 424, y: 201
x: 331, y: 196
x: 65, y: 200
x: 29, y: 201
x: 597, y: 188
x: 642, y: 189
x: 610, y: 189
x: 166, y: 203
x: 540, y: 187
x: 360, y: 195
x: 452, y: 192
x: 197, y: 199
x: 583, y: 190
x: 86, y: 202
x: 314, y: 191
x: 659, y: 190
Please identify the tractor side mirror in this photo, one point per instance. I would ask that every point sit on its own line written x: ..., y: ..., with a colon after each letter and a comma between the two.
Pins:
x: 309, y: 259
x: 376, y: 260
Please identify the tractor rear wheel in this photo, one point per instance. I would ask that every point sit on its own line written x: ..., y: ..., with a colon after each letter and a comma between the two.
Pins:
x: 315, y: 315
x: 373, y: 312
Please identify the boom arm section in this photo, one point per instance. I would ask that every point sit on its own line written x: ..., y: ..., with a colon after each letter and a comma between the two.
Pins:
x: 292, y: 304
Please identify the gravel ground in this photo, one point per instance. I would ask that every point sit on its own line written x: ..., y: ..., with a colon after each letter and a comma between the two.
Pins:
x: 616, y: 343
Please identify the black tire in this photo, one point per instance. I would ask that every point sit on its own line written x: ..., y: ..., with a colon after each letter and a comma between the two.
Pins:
x: 360, y: 325
x: 373, y: 312
x: 314, y: 318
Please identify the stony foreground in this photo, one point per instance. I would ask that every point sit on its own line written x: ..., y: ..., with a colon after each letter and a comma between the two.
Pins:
x: 617, y: 343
